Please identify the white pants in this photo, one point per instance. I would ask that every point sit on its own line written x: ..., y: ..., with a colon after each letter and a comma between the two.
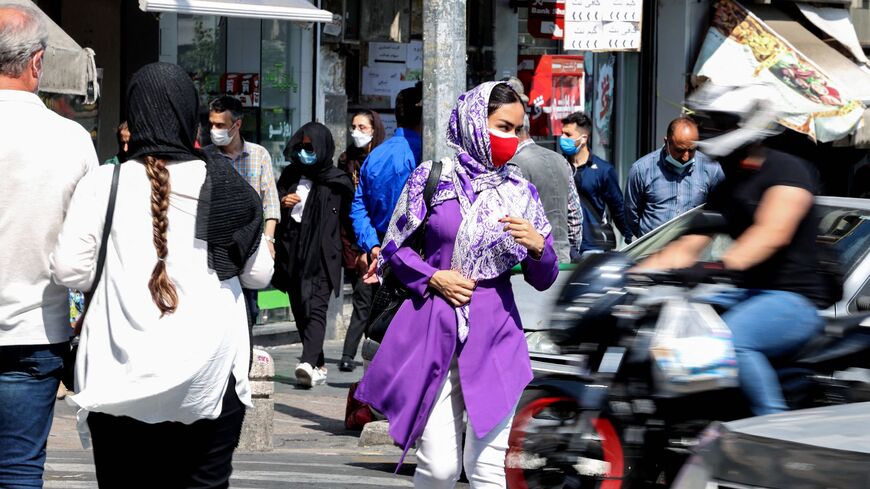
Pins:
x: 440, y: 454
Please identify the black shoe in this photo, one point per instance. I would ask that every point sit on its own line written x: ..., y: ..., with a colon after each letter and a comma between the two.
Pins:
x: 346, y: 365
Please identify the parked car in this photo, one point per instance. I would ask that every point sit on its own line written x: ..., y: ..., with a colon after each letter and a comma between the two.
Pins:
x: 826, y: 447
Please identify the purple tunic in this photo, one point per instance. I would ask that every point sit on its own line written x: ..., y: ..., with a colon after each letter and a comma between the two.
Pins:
x: 405, y: 376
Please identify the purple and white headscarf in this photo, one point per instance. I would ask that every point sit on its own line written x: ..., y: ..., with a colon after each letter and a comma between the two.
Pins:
x: 483, y: 250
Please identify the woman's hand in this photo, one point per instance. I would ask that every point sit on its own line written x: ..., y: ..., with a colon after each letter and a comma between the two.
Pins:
x: 290, y: 200
x: 525, y: 235
x: 452, y: 286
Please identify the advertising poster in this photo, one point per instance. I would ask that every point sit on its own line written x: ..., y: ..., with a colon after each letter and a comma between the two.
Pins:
x: 740, y: 49
x: 602, y: 109
x: 556, y: 90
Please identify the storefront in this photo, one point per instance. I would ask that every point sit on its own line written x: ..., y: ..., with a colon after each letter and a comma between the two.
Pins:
x: 267, y: 59
x: 603, y: 85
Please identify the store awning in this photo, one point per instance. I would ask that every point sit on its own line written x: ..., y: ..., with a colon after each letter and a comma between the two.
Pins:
x: 824, y: 93
x: 293, y: 10
x: 68, y: 68
x: 845, y: 71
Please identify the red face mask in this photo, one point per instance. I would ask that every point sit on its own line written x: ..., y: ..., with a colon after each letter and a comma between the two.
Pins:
x: 503, y: 146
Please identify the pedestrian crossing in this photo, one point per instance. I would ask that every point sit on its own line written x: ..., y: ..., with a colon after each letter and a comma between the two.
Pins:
x: 75, y: 470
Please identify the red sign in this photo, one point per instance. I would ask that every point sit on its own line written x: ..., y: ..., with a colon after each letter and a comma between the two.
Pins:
x: 243, y: 86
x: 547, y: 19
x: 556, y: 90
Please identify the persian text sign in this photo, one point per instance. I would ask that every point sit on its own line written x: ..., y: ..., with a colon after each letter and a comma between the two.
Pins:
x: 603, y: 25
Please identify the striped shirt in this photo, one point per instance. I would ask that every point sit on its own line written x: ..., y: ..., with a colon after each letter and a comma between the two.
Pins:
x: 656, y: 192
x: 255, y: 165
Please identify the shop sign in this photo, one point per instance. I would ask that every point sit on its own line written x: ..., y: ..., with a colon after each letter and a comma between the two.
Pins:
x: 243, y: 86
x: 740, y: 49
x: 603, y: 25
x: 557, y: 89
x: 546, y: 19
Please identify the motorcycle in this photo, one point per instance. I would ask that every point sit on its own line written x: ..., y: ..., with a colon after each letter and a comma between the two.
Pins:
x: 596, y: 416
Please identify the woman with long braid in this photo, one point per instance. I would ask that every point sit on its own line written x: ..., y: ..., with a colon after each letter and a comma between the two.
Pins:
x: 161, y: 373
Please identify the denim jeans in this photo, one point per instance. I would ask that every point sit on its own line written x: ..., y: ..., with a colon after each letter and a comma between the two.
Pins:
x: 766, y: 324
x: 29, y: 377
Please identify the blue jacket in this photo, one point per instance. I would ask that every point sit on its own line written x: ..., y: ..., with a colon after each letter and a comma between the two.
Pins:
x: 598, y: 184
x: 381, y: 180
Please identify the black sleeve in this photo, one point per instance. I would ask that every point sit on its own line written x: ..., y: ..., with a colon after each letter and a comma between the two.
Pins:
x: 790, y: 171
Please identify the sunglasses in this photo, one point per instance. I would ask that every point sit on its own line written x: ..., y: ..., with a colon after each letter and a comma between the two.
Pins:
x: 306, y: 146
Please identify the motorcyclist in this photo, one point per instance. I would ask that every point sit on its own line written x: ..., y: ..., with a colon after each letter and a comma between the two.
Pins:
x: 767, y: 205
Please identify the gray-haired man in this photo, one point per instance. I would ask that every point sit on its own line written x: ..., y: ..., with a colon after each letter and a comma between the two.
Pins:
x: 547, y: 171
x: 39, y: 177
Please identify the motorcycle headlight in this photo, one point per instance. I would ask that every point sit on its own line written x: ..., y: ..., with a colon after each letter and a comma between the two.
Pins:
x: 540, y: 342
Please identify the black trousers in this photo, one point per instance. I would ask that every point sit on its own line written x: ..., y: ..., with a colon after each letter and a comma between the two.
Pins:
x: 311, y: 326
x: 129, y: 453
x: 363, y: 295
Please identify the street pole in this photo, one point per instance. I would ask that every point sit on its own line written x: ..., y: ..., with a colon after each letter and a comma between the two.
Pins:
x: 444, y: 64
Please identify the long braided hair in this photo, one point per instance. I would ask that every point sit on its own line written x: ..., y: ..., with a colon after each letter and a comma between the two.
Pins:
x: 162, y: 289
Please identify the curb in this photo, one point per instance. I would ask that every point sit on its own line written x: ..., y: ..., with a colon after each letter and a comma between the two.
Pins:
x: 276, y: 334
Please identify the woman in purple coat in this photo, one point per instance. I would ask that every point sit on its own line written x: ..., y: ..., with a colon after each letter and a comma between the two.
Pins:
x: 457, y: 346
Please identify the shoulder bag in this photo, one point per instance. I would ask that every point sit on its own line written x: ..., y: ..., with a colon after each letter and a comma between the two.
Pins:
x: 392, y: 293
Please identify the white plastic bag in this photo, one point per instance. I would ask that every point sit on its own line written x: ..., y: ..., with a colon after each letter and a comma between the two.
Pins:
x: 692, y: 349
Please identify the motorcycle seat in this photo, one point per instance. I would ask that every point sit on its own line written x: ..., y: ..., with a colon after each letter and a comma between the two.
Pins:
x: 841, y: 326
x: 842, y: 336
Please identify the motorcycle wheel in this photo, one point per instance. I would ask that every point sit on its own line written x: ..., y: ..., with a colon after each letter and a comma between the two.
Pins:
x: 543, y: 450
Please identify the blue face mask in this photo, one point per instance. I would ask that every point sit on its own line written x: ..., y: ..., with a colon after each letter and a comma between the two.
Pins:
x: 679, y: 165
x: 307, y: 158
x: 568, y: 146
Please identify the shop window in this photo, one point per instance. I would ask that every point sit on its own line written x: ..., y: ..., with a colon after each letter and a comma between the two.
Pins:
x: 286, y: 78
x: 202, y: 52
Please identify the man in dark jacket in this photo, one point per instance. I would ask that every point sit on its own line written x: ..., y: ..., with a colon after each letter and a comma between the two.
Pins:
x: 596, y: 182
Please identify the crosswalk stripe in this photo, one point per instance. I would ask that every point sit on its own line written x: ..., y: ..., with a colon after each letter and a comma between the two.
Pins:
x: 57, y: 468
x: 304, y: 478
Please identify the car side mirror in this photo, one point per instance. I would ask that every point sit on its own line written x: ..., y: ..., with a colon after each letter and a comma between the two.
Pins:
x: 863, y: 303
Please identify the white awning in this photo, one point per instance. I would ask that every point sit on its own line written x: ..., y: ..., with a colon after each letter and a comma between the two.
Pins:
x: 294, y: 10
x: 68, y: 69
x: 837, y: 23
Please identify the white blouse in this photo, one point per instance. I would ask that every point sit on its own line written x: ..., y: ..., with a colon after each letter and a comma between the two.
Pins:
x: 131, y: 361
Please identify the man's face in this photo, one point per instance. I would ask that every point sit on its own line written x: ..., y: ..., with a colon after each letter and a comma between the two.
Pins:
x: 683, y: 143
x: 574, y: 132
x: 224, y: 120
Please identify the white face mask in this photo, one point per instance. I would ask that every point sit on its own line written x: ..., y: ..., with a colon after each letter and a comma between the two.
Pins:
x: 221, y: 137
x: 360, y: 139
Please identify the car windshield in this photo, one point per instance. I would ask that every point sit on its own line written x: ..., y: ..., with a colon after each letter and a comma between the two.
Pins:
x: 846, y: 229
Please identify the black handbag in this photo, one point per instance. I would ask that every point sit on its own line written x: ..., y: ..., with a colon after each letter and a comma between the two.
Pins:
x: 392, y: 293
x: 69, y: 364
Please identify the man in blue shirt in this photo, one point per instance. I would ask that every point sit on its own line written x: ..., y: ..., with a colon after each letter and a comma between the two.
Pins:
x: 596, y: 183
x: 384, y: 173
x: 671, y: 180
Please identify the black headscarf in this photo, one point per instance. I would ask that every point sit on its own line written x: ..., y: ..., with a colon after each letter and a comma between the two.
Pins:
x: 352, y: 159
x: 300, y: 259
x: 162, y: 113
